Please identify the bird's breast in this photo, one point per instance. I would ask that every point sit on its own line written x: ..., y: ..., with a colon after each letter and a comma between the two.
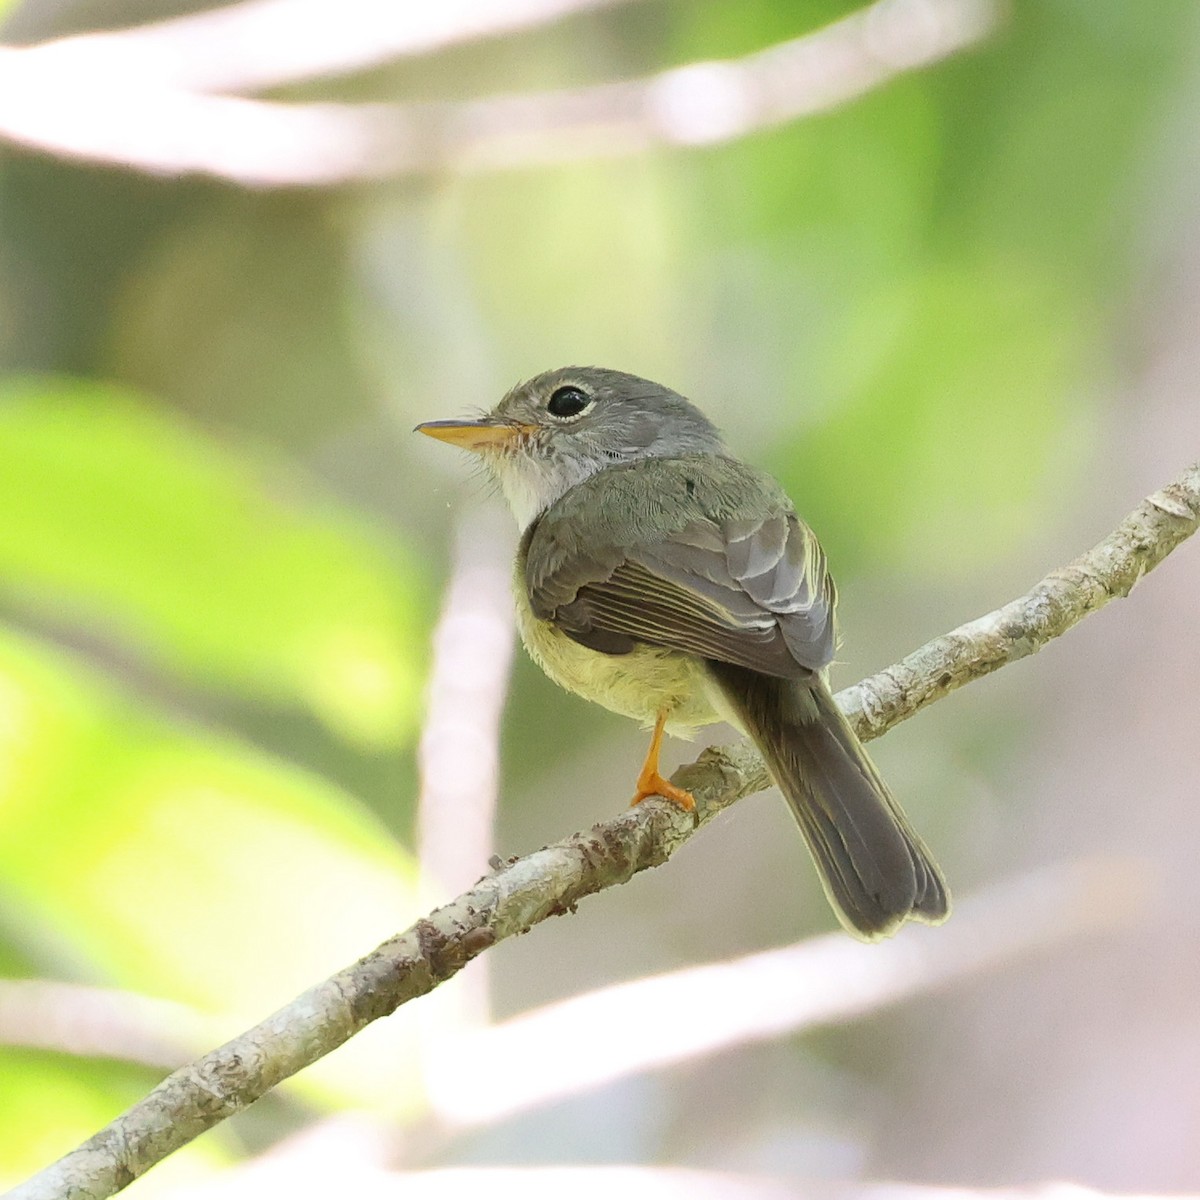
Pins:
x: 639, y: 684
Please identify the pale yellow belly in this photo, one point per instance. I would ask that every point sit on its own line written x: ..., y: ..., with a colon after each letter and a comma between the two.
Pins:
x: 640, y: 684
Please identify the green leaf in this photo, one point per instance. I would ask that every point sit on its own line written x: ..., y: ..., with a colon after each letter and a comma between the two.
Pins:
x: 954, y: 401
x: 128, y: 522
x: 180, y: 865
x: 177, y: 863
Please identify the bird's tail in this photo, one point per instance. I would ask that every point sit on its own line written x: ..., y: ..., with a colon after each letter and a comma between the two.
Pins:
x: 875, y: 870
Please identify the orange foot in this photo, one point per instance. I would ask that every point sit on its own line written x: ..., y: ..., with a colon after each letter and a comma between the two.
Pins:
x: 655, y: 785
x: 651, y: 783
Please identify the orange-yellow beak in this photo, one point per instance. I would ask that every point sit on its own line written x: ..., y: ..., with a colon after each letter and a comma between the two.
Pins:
x: 474, y: 435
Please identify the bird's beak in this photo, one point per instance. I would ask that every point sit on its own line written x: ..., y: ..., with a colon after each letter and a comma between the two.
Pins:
x: 475, y: 435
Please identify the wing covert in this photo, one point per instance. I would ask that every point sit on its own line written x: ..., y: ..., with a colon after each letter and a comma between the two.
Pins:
x: 745, y: 589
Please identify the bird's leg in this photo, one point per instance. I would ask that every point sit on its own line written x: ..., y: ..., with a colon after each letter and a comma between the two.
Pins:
x: 651, y: 783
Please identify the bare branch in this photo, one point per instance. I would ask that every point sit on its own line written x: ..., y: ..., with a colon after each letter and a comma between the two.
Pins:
x: 70, y: 1018
x: 1023, y: 626
x: 267, y: 43
x: 88, y: 112
x: 459, y: 752
x: 552, y: 881
x: 476, y: 1073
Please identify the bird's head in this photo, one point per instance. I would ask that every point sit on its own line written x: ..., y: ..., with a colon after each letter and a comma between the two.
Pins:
x: 563, y: 426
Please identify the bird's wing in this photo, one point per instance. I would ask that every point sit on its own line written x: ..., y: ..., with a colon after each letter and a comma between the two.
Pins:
x: 737, y: 578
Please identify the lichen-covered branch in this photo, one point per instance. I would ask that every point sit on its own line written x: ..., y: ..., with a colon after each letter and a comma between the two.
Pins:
x: 553, y: 880
x: 1022, y: 626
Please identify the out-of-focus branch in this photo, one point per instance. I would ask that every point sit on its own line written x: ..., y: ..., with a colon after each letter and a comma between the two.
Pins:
x: 476, y: 1073
x: 91, y: 113
x: 337, y: 1165
x: 345, y: 1155
x: 459, y: 753
x: 70, y: 1018
x: 538, y: 1057
x: 267, y: 43
x: 552, y: 881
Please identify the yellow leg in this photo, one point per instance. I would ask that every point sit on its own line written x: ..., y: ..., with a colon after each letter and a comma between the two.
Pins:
x: 651, y: 783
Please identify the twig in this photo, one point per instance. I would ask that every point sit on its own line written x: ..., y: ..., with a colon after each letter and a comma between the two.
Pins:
x: 88, y: 112
x: 1023, y: 626
x: 552, y: 881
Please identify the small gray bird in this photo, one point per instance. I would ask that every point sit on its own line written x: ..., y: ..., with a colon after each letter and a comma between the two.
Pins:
x: 663, y: 578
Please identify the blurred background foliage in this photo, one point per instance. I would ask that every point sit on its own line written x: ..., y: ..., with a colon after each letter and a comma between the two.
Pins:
x: 221, y: 552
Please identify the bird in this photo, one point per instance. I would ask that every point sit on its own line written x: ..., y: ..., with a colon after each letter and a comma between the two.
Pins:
x: 659, y: 575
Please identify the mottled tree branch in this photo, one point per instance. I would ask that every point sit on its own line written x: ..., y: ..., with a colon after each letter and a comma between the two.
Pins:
x: 553, y: 880
x: 1022, y: 626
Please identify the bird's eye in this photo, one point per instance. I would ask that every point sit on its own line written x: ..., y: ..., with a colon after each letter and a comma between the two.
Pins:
x: 566, y: 402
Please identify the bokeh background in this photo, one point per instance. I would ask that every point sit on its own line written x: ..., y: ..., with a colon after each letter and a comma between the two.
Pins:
x: 954, y: 307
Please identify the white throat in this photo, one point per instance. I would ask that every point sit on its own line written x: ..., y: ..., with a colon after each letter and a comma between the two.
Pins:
x: 531, y: 483
x: 525, y: 501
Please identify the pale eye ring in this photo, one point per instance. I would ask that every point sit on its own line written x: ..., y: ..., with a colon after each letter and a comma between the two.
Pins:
x: 567, y: 402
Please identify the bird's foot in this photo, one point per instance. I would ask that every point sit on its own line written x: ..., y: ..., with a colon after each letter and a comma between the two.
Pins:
x: 651, y: 783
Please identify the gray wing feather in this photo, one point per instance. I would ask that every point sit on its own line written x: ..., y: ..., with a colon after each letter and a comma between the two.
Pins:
x: 745, y: 589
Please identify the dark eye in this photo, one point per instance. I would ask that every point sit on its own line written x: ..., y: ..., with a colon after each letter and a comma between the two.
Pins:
x: 567, y: 402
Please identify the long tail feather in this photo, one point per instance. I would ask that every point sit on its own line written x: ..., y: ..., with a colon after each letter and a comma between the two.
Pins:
x: 876, y: 871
